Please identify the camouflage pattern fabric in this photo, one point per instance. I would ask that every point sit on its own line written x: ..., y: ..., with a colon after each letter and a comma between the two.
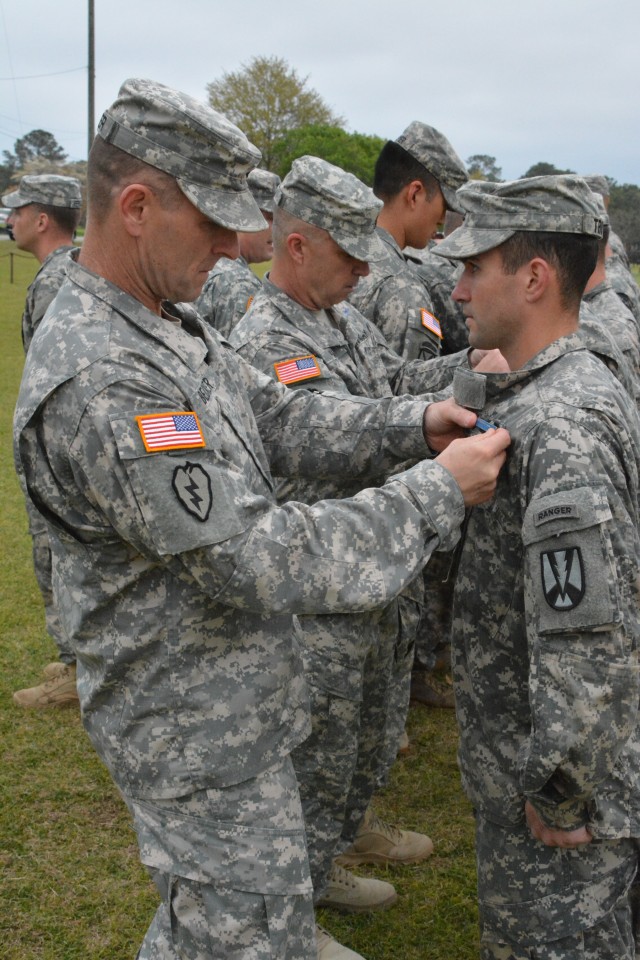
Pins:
x: 43, y: 289
x: 432, y: 149
x: 40, y: 293
x: 440, y: 277
x: 533, y: 913
x: 599, y: 341
x: 545, y: 648
x: 358, y: 665
x: 176, y: 574
x: 49, y: 189
x: 624, y: 285
x: 227, y: 293
x: 619, y: 322
x: 328, y: 197
x: 393, y: 297
x: 238, y: 889
x: 207, y: 154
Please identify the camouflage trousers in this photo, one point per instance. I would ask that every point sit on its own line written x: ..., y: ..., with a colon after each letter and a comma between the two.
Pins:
x: 232, y: 871
x: 358, y: 668
x: 41, y: 551
x: 549, y: 903
x: 409, y: 616
x: 434, y: 629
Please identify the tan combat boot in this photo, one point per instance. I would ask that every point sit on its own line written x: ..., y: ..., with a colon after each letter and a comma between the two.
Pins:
x: 380, y: 842
x: 350, y: 894
x: 330, y: 949
x: 59, y: 689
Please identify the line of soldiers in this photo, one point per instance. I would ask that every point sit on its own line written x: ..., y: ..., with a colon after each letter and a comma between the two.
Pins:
x: 194, y: 496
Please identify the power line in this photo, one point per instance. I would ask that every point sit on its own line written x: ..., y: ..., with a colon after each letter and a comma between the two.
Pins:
x: 38, y: 76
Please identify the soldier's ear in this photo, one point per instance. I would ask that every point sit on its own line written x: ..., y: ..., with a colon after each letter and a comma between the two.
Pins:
x: 296, y: 246
x: 538, y: 277
x: 134, y: 204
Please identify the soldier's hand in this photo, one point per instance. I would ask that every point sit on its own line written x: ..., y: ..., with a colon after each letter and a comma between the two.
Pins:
x: 475, y: 463
x: 552, y: 837
x: 444, y: 421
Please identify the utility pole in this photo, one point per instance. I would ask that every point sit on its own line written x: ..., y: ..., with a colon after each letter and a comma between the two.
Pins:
x: 92, y: 78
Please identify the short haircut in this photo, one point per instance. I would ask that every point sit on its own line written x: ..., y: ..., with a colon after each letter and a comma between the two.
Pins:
x: 285, y: 223
x: 573, y: 256
x: 66, y: 219
x: 396, y: 168
x: 111, y: 169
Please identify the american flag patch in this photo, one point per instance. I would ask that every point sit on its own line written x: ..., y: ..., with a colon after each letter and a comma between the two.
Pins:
x: 299, y: 368
x: 170, y: 431
x: 430, y: 322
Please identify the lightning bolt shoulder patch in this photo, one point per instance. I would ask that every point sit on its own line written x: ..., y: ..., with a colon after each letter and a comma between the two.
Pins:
x: 192, y: 487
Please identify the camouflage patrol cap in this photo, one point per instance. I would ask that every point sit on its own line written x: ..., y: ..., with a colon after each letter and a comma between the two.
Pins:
x: 432, y: 149
x: 50, y: 189
x: 206, y: 153
x: 328, y: 197
x: 495, y: 211
x: 598, y: 183
x: 263, y: 185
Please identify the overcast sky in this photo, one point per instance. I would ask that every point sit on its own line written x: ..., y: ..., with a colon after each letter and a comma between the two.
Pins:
x: 554, y: 80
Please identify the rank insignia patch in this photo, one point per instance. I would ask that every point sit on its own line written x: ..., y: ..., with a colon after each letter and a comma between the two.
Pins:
x: 297, y: 369
x: 563, y: 580
x: 170, y: 431
x: 193, y: 489
x: 429, y: 321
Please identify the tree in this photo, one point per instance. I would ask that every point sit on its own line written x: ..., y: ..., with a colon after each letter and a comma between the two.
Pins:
x: 483, y: 167
x: 624, y: 213
x: 267, y: 99
x: 354, y: 152
x: 36, y: 146
x: 543, y: 169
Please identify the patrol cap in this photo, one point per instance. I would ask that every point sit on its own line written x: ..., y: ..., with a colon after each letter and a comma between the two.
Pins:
x: 495, y: 211
x: 327, y: 196
x: 206, y: 153
x: 48, y: 188
x: 263, y: 185
x: 598, y: 183
x: 432, y: 149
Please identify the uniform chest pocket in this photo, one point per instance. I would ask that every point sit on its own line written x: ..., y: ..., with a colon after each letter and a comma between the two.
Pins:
x: 570, y: 573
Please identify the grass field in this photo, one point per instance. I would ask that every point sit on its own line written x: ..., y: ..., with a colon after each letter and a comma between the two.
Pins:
x: 71, y: 886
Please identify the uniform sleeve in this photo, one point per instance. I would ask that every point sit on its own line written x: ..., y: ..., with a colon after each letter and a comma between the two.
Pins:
x: 196, y: 512
x: 404, y: 313
x: 581, y: 567
x: 319, y: 430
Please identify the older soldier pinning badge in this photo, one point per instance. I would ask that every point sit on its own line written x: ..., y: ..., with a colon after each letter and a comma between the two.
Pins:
x: 563, y: 578
x: 193, y: 489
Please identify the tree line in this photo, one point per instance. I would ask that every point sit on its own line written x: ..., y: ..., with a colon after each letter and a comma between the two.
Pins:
x: 286, y: 119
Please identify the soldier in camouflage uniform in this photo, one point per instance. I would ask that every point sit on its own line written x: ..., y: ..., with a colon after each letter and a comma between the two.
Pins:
x: 601, y: 305
x: 545, y: 622
x: 358, y: 666
x: 232, y: 284
x: 147, y: 444
x: 617, y: 262
x: 416, y: 177
x: 45, y: 210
